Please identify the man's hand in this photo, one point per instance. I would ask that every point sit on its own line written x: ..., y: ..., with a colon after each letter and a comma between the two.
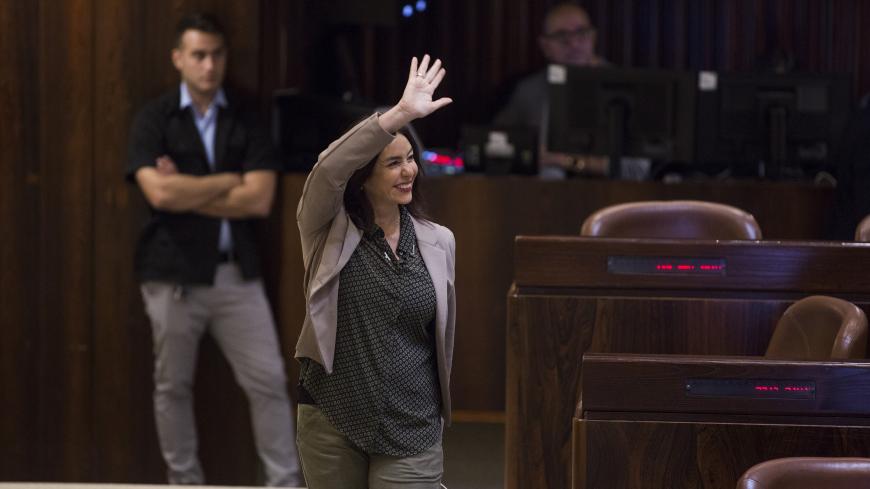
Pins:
x: 165, y: 165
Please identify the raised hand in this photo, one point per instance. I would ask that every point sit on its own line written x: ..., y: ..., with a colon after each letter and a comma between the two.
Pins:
x: 417, y: 100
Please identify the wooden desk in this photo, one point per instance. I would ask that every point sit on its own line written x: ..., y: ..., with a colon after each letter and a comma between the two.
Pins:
x: 565, y: 303
x: 681, y: 422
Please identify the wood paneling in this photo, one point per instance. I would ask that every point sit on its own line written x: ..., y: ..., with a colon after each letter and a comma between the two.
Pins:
x: 563, y: 306
x: 820, y: 267
x: 648, y: 455
x: 122, y: 358
x: 637, y: 428
x: 657, y: 387
x: 19, y: 208
x: 64, y: 82
x: 547, y: 335
x: 290, y: 309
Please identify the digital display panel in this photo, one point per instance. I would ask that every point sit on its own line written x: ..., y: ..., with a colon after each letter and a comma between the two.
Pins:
x: 666, y: 265
x: 752, y: 388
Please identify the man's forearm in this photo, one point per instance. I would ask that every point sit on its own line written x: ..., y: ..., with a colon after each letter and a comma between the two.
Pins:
x: 183, y: 193
x: 234, y: 204
x: 253, y: 198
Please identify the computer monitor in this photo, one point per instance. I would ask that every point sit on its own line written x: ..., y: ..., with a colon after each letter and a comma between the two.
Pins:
x: 771, y: 125
x: 620, y: 112
x: 303, y: 125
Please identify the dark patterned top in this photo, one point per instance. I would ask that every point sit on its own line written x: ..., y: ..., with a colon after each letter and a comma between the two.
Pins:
x: 383, y: 393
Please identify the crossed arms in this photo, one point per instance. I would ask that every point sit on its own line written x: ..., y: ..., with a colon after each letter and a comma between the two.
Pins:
x: 220, y: 195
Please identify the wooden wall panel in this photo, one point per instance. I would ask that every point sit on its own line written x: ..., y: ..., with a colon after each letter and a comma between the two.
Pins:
x: 19, y: 180
x: 651, y: 455
x: 65, y: 86
x: 122, y: 359
x: 290, y: 305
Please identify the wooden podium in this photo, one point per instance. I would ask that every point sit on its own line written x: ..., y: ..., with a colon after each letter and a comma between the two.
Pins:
x: 692, y: 422
x: 574, y: 295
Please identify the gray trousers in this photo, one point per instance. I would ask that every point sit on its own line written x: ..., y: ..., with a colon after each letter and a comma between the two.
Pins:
x: 237, y: 315
x: 331, y: 461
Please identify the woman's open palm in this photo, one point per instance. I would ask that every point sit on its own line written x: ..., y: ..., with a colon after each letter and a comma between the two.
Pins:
x: 422, y: 81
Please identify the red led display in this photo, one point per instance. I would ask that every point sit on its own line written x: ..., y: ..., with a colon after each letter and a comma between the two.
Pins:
x: 652, y: 265
x: 665, y: 267
x: 784, y: 388
x: 751, y: 388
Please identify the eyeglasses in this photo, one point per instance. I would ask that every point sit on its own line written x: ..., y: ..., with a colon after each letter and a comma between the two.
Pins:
x: 566, y: 36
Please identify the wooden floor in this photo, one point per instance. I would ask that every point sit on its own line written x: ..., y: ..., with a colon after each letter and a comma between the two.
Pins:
x: 82, y: 485
x: 474, y: 455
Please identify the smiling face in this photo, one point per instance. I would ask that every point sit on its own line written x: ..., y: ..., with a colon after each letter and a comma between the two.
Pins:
x: 201, y: 58
x: 391, y: 182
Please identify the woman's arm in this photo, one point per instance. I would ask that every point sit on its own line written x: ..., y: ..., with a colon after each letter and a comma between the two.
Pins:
x: 323, y: 193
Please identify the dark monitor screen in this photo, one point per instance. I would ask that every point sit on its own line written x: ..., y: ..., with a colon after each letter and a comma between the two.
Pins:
x: 780, y: 126
x: 303, y: 125
x: 621, y: 112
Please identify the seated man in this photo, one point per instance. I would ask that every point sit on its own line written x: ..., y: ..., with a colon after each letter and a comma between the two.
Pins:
x: 568, y: 38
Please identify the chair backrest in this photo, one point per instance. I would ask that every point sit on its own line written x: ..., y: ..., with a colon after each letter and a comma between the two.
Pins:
x: 808, y: 473
x: 674, y: 219
x: 820, y: 328
x: 862, y: 232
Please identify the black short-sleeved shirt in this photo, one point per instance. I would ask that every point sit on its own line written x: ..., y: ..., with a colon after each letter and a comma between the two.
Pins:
x: 383, y: 393
x: 182, y: 247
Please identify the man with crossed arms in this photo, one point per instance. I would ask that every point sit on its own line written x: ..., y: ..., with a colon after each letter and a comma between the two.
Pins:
x: 205, y: 171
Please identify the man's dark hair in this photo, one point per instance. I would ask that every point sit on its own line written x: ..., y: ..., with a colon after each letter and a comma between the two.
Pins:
x: 357, y: 205
x: 198, y: 21
x: 559, y: 7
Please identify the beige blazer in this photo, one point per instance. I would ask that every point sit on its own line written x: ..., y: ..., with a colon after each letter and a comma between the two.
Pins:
x: 329, y: 238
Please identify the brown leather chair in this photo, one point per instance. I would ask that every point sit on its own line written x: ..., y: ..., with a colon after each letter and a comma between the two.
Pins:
x: 862, y: 232
x: 820, y: 328
x: 808, y: 473
x: 676, y: 219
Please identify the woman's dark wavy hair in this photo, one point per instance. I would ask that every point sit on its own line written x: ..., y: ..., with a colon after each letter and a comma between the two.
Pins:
x: 357, y: 204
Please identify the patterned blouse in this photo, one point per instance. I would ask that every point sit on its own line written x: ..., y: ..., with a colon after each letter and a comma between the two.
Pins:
x: 383, y: 393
